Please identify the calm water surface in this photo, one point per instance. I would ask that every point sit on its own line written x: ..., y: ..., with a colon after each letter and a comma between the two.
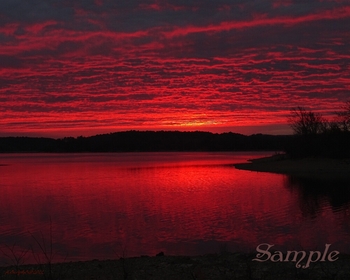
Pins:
x: 100, y: 206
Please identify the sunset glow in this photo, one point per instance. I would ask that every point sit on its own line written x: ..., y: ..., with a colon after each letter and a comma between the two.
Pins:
x: 88, y: 67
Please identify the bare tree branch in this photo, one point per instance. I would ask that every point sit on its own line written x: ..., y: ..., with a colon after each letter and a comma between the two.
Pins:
x: 306, y: 122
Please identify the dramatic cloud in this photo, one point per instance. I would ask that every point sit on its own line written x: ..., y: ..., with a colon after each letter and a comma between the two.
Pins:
x: 70, y: 68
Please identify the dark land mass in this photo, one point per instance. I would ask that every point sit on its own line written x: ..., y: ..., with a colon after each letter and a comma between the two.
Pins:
x: 147, y: 141
x: 321, y: 168
x: 207, y: 267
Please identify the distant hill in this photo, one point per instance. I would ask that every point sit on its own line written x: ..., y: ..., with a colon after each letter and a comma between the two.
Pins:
x: 147, y: 141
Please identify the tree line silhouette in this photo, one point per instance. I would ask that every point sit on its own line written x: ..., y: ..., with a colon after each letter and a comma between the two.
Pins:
x: 314, y: 135
x: 148, y: 141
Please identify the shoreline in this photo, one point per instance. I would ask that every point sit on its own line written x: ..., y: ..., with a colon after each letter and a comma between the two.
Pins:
x: 225, y: 265
x: 314, y: 168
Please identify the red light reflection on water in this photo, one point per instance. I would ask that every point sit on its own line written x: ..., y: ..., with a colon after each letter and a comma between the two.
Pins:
x: 98, y: 207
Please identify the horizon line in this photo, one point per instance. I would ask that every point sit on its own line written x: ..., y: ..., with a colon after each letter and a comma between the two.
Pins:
x: 134, y: 130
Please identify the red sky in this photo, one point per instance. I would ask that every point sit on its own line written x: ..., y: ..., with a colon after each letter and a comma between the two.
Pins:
x: 70, y: 68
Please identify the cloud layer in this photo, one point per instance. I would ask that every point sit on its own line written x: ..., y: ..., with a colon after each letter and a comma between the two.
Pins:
x: 113, y: 65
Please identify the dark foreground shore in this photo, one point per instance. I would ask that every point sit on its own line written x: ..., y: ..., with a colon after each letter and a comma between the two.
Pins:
x: 318, y: 168
x: 211, y: 267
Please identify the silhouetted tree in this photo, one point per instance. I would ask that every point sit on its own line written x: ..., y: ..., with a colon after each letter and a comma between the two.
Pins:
x: 344, y: 117
x: 306, y: 122
x: 315, y: 136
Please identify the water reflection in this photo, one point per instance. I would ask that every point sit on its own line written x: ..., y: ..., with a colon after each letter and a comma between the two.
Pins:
x: 313, y: 193
x: 325, y: 204
x: 179, y: 203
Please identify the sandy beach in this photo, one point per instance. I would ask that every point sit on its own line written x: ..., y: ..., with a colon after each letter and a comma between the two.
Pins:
x: 317, y: 168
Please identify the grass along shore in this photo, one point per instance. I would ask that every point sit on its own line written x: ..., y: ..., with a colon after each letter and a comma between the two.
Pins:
x: 318, y: 168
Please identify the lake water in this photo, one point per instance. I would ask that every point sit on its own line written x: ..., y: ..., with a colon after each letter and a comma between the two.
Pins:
x: 101, y: 206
